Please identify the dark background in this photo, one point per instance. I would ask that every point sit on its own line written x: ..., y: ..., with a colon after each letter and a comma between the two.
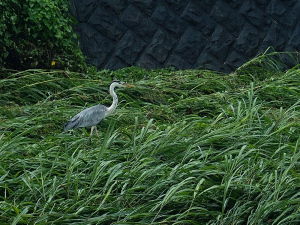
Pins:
x: 213, y: 34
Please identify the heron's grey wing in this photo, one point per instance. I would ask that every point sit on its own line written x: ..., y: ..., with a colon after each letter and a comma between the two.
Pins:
x: 87, y: 118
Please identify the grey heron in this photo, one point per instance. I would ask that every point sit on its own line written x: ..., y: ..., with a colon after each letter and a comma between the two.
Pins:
x: 92, y: 116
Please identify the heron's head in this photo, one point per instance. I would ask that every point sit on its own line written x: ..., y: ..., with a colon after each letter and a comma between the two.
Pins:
x: 117, y: 83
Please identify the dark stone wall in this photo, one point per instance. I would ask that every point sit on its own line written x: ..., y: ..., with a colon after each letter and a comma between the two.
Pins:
x: 214, y: 34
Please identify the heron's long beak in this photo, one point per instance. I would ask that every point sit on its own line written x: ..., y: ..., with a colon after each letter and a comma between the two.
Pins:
x: 128, y: 85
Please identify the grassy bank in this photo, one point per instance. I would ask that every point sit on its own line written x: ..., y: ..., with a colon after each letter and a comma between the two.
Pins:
x: 183, y: 147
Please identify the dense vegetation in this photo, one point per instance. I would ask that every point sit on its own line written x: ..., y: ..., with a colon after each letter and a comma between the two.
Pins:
x: 38, y: 34
x: 183, y: 147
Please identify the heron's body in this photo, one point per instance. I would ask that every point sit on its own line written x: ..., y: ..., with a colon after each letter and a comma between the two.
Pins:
x: 87, y: 118
x: 92, y: 116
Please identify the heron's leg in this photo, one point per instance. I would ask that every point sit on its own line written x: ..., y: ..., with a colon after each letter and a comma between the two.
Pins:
x: 90, y: 138
x: 96, y: 131
x: 92, y: 129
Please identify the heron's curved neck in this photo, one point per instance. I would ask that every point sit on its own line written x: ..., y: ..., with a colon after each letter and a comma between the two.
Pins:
x: 115, y: 100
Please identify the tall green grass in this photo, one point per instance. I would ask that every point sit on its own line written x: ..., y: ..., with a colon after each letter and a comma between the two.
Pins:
x: 183, y: 147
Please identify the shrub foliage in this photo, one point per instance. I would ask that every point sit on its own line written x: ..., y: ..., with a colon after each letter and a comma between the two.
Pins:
x: 35, y: 33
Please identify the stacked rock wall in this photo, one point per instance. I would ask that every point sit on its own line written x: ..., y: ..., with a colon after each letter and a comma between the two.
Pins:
x: 213, y: 34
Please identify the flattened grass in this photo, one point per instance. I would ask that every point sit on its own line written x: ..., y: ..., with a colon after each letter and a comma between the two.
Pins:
x: 183, y: 147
